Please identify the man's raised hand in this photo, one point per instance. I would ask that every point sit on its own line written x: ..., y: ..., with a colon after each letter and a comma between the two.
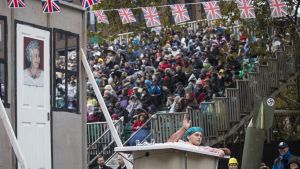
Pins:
x: 186, y: 123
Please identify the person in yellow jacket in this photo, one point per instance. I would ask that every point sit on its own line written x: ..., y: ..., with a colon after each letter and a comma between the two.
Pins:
x: 233, y: 163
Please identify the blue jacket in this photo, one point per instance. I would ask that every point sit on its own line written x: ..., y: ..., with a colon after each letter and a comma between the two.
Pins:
x: 281, y: 162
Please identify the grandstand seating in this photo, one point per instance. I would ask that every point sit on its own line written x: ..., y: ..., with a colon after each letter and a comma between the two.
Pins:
x: 224, y: 116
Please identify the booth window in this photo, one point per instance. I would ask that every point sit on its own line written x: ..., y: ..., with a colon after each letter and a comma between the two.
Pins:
x: 3, y: 60
x: 66, y: 71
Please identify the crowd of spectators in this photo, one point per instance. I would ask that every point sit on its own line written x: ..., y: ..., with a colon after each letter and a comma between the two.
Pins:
x: 66, y: 87
x: 167, y: 68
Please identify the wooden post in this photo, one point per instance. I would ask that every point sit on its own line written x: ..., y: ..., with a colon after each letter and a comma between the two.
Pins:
x: 12, y: 138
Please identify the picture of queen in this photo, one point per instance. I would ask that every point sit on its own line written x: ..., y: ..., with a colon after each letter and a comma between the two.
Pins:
x: 33, y: 74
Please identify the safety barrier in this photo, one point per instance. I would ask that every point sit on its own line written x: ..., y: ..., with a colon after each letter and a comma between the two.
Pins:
x: 100, y: 139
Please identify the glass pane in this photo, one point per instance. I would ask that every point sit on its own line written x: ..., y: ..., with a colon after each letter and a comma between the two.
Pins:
x: 60, y: 56
x: 72, y: 53
x: 72, y: 92
x: 2, y: 39
x: 2, y: 83
x: 60, y: 90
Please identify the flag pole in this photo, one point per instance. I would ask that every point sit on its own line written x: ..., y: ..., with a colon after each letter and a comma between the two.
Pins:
x: 12, y: 138
x: 111, y: 125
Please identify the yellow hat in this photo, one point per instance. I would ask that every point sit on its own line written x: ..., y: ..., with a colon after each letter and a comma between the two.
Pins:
x: 221, y: 71
x: 100, y: 60
x: 232, y: 161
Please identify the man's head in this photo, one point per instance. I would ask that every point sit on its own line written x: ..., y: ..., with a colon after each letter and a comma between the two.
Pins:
x: 121, y: 160
x: 233, y: 163
x: 194, y: 135
x: 101, y: 161
x: 283, y: 148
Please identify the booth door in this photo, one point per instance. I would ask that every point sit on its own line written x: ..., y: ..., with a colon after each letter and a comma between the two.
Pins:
x: 33, y: 95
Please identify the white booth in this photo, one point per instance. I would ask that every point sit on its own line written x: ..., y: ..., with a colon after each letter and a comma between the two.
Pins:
x: 171, y: 156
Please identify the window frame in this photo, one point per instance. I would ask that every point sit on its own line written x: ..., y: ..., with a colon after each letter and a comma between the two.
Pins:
x: 68, y: 73
x: 4, y: 61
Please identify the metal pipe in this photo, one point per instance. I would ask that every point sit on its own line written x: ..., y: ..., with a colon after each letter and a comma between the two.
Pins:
x: 102, y: 104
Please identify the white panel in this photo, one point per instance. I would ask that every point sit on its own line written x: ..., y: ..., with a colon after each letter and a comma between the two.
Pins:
x: 33, y: 98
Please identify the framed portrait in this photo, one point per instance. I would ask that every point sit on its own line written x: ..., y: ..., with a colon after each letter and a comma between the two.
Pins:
x: 33, y: 62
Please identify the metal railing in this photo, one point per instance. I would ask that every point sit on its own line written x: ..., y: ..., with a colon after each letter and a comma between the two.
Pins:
x: 123, y: 36
x: 147, y: 123
x: 100, y: 139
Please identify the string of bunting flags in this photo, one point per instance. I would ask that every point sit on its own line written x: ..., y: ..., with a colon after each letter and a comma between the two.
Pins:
x: 180, y: 13
x: 151, y: 16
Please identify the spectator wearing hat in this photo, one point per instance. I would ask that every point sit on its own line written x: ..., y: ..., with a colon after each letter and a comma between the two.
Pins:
x: 233, y: 163
x: 174, y: 51
x: 281, y: 162
x: 294, y: 163
x: 193, y: 136
x: 110, y: 89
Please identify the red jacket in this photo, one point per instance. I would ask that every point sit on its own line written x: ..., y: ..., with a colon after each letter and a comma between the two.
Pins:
x: 136, y: 125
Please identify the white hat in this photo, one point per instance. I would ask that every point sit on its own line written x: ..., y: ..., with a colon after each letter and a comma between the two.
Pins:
x: 108, y: 87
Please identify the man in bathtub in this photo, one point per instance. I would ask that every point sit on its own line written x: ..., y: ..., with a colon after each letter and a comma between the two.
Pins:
x: 193, y: 136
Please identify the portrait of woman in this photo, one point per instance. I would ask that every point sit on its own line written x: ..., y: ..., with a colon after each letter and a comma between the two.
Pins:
x: 33, y: 64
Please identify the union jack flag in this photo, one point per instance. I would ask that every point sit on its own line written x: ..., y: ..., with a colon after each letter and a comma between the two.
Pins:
x: 101, y: 17
x: 246, y: 8
x: 212, y: 10
x: 50, y: 6
x: 278, y: 8
x: 126, y: 15
x: 180, y: 13
x: 16, y: 4
x: 151, y: 16
x: 88, y: 3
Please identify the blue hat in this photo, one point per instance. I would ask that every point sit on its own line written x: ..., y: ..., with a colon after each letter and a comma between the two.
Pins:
x: 191, y: 131
x: 148, y: 82
x: 283, y: 145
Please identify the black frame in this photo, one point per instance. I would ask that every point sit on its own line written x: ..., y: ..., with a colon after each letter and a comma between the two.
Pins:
x: 68, y: 73
x: 4, y: 62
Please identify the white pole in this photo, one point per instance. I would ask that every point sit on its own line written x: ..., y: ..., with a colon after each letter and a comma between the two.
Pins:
x: 12, y: 138
x: 102, y: 105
